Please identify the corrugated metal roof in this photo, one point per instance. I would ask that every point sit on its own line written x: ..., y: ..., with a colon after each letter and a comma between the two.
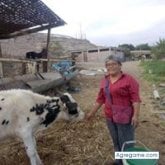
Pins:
x: 25, y: 15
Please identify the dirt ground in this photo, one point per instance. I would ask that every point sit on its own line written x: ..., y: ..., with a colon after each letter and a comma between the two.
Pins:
x: 88, y: 143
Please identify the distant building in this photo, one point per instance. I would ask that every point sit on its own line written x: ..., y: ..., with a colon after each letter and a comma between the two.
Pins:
x: 97, y: 55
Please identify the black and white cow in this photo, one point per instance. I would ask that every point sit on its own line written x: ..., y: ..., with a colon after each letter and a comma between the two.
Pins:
x: 23, y: 112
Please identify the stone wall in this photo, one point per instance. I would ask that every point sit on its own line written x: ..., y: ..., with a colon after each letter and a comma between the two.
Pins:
x: 17, y: 47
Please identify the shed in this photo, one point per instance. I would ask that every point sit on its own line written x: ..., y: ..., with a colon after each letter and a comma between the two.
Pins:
x: 21, y: 17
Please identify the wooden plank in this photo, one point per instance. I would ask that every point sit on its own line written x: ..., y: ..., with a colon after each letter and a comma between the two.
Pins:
x: 51, y: 80
x: 1, y: 70
x: 36, y: 60
x: 35, y: 83
x: 19, y: 84
x: 27, y: 31
x: 12, y: 60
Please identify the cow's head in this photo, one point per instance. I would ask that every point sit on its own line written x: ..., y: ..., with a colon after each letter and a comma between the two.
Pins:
x: 57, y: 108
x: 71, y: 108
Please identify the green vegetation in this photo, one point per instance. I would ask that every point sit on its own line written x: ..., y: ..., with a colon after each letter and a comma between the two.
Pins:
x: 159, y: 49
x: 162, y: 123
x: 143, y: 47
x: 126, y: 49
x: 154, y: 71
x: 127, y: 46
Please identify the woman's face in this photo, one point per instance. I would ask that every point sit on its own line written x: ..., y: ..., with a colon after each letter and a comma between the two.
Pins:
x: 113, y: 67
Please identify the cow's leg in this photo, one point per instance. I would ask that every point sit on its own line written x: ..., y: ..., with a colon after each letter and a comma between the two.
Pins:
x: 30, y: 146
x: 37, y: 156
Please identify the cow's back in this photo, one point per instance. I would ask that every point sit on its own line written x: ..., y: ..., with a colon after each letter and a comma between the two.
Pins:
x: 15, y: 110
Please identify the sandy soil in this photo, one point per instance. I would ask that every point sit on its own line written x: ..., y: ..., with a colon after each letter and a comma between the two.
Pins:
x: 88, y: 143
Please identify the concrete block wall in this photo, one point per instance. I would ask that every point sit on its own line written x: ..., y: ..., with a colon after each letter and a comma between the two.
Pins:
x: 98, y: 56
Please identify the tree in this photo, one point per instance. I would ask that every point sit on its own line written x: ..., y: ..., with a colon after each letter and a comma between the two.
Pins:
x: 143, y: 47
x: 127, y: 46
x: 159, y: 49
x: 126, y: 49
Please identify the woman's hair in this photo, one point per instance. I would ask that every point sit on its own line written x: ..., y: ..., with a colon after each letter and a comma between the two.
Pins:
x: 114, y: 58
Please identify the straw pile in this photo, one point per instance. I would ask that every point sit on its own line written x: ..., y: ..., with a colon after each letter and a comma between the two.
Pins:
x: 83, y: 143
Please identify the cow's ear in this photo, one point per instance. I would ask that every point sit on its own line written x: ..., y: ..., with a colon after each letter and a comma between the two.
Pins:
x: 57, y: 100
x: 64, y: 98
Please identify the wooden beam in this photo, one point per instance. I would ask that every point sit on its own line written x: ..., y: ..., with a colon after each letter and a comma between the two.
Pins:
x: 36, y: 60
x: 28, y: 31
x: 48, y: 40
x: 13, y: 60
x: 0, y: 50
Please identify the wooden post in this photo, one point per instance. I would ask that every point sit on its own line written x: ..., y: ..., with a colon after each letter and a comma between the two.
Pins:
x: 23, y: 68
x: 1, y: 63
x: 85, y: 56
x: 45, y: 63
x: 48, y: 40
x: 98, y: 55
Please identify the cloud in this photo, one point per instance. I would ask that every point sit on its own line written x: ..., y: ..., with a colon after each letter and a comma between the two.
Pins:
x: 150, y: 36
x: 120, y: 20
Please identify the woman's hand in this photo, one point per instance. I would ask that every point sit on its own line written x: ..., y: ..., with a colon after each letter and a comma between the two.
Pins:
x: 135, y: 121
x: 135, y: 118
x: 89, y: 115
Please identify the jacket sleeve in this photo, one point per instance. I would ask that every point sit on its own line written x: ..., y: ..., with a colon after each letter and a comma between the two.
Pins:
x: 101, y: 94
x: 134, y: 91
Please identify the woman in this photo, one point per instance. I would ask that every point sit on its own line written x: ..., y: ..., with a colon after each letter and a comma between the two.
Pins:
x: 118, y: 88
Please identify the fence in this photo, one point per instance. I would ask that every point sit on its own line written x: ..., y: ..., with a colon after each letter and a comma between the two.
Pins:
x: 11, y: 67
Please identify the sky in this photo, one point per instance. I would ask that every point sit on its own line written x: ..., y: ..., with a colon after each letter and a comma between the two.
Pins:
x: 111, y: 22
